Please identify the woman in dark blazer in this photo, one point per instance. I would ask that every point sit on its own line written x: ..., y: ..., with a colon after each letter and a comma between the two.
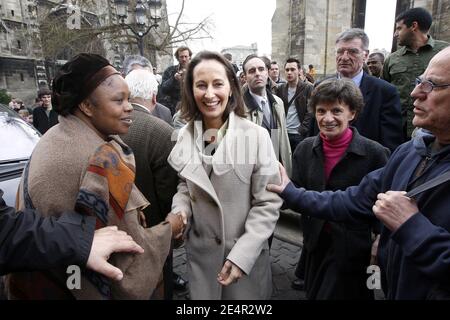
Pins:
x: 336, y: 255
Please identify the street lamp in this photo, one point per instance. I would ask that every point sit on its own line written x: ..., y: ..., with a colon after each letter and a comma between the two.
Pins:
x: 140, y: 14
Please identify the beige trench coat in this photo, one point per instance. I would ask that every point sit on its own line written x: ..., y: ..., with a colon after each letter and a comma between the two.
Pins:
x: 231, y: 215
x: 281, y: 140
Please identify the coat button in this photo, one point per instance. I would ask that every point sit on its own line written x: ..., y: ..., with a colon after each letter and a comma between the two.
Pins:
x: 196, y: 233
x: 192, y: 198
x: 218, y: 240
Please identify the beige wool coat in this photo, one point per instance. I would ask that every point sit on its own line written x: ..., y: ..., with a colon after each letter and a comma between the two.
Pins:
x: 57, y: 167
x: 230, y: 213
x: 280, y: 141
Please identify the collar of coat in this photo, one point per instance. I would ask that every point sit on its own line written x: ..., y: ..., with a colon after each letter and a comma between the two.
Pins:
x: 356, y: 146
x: 140, y: 107
x: 251, y: 103
x: 186, y: 157
x: 283, y: 90
x: 430, y: 44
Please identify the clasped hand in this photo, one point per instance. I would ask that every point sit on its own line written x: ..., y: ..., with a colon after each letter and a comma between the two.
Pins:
x: 178, y: 222
x: 394, y: 208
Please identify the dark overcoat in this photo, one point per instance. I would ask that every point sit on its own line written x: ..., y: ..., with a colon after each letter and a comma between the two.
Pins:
x: 337, y: 254
x: 41, y: 121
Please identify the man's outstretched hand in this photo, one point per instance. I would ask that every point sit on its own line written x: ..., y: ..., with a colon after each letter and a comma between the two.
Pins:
x: 284, y: 181
x: 107, y: 241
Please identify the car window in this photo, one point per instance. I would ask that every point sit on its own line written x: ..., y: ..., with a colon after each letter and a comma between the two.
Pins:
x: 9, y: 188
x: 17, y: 138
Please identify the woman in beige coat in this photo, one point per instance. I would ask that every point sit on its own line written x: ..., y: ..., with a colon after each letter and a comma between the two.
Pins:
x: 224, y: 162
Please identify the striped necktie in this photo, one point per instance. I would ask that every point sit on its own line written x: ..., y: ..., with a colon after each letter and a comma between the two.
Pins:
x: 266, y: 111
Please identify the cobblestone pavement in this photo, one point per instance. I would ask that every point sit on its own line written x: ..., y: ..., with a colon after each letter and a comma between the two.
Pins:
x: 284, y: 258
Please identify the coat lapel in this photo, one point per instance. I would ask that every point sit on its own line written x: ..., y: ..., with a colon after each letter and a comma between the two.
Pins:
x: 139, y: 108
x: 186, y: 160
x: 277, y: 111
x: 253, y: 112
x: 285, y: 94
x: 365, y: 87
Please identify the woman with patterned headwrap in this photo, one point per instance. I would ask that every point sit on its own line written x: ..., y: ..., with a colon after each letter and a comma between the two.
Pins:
x: 81, y: 163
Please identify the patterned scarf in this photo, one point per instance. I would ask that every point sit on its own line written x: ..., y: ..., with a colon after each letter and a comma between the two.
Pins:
x: 107, y: 184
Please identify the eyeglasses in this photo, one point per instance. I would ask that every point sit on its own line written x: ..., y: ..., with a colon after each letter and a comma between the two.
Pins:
x: 428, y: 86
x: 350, y: 51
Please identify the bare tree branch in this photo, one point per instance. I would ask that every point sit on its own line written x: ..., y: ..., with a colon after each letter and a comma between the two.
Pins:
x: 57, y: 39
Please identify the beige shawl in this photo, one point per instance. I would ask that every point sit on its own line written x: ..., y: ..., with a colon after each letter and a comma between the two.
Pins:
x: 56, y: 171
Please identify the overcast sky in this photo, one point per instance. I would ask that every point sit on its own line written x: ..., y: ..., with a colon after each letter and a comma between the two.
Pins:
x: 242, y: 22
x: 380, y: 16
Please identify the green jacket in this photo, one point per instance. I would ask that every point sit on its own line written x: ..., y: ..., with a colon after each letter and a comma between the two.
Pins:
x: 402, y: 67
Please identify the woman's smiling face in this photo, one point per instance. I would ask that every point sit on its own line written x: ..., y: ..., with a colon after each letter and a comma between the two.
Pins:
x: 212, y: 90
x: 110, y: 110
x: 333, y: 118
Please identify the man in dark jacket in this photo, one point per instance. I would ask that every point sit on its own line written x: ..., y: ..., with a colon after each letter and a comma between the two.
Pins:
x: 151, y: 141
x: 170, y: 89
x: 44, y: 117
x: 415, y: 240
x: 136, y: 62
x: 274, y: 73
x: 295, y: 95
x: 381, y: 118
x: 29, y: 241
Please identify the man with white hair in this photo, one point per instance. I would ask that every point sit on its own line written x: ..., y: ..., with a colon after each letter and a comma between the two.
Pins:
x: 137, y: 62
x: 150, y: 140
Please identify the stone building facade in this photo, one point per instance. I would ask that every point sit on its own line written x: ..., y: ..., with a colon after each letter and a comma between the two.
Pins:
x: 239, y: 53
x: 307, y: 29
x: 21, y: 59
x: 26, y: 66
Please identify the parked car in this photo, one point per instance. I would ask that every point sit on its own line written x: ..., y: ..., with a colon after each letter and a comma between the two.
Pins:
x: 17, y: 141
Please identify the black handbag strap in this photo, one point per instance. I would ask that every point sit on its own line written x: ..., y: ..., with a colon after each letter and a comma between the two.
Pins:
x: 429, y: 184
x: 296, y: 95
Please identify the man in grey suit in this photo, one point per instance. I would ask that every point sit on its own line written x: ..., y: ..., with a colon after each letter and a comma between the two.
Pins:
x: 135, y: 62
x: 150, y: 140
x: 380, y: 119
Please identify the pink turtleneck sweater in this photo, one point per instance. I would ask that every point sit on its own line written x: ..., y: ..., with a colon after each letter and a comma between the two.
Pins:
x: 334, y: 149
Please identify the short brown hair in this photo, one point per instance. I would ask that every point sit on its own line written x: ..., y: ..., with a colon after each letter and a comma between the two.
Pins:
x: 189, y: 109
x: 44, y: 92
x: 341, y: 90
x: 182, y: 49
x: 293, y: 60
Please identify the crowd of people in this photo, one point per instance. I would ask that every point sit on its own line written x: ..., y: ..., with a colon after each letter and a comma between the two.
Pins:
x: 343, y: 151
